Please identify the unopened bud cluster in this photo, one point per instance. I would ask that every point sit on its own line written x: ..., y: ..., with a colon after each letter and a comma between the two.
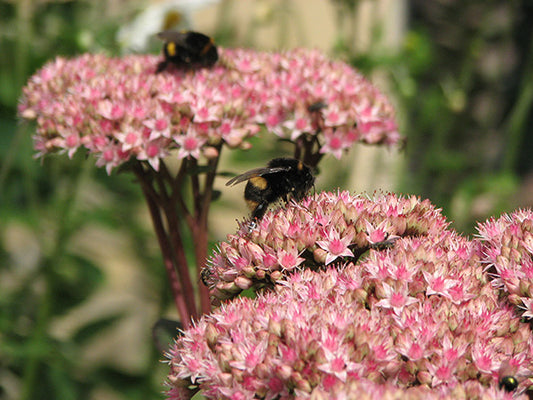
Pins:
x: 507, y: 250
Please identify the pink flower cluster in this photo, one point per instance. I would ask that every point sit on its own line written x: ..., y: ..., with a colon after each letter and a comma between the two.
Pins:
x: 365, y: 389
x: 315, y: 232
x: 119, y: 108
x: 507, y: 249
x: 419, y: 315
x: 348, y: 107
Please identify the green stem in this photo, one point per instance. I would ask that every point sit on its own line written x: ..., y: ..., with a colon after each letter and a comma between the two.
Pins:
x: 24, y: 37
x: 37, y: 341
x: 514, y: 126
x: 14, y: 147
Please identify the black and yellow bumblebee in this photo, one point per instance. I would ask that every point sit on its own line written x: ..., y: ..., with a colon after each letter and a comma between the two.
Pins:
x: 509, y: 383
x: 187, y: 50
x: 282, y: 178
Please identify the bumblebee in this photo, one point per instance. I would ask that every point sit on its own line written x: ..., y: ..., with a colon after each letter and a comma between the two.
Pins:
x: 317, y: 106
x: 205, y: 275
x: 187, y: 50
x: 282, y: 178
x: 508, y: 383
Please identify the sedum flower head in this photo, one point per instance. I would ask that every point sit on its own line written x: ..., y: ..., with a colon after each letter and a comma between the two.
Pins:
x: 368, y: 390
x: 507, y: 250
x: 320, y: 230
x: 418, y: 315
x: 415, y: 318
x: 119, y: 108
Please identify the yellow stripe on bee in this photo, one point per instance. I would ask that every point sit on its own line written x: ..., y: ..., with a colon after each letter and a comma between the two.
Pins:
x: 171, y: 49
x: 252, y: 205
x: 208, y: 46
x: 300, y: 166
x: 259, y: 182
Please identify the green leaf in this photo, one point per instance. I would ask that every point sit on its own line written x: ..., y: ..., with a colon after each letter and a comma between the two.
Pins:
x: 95, y: 328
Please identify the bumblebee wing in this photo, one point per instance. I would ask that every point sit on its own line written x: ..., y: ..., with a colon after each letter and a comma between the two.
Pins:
x: 253, y: 173
x: 172, y: 36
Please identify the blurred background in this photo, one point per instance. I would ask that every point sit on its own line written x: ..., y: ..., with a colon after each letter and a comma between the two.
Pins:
x: 81, y: 282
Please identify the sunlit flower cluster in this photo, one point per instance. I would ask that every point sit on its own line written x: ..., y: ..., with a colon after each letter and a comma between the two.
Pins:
x: 119, y: 108
x: 507, y: 249
x: 367, y: 390
x: 417, y: 315
x: 315, y: 232
x: 305, y: 93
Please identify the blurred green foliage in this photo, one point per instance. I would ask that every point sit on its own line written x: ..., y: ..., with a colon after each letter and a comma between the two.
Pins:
x: 464, y: 94
x: 46, y: 275
x: 463, y: 85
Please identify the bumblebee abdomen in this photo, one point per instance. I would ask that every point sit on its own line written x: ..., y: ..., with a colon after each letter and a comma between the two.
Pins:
x: 508, y: 383
x: 258, y: 182
x: 256, y: 191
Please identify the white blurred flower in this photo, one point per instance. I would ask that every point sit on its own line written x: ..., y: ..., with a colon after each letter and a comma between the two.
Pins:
x: 169, y: 14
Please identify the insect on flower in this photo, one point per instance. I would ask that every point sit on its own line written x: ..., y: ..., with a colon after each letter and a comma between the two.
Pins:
x: 282, y: 178
x: 187, y: 50
x: 508, y: 383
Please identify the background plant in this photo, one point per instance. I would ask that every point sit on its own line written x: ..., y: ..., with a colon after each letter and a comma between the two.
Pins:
x: 465, y: 66
x: 35, y: 232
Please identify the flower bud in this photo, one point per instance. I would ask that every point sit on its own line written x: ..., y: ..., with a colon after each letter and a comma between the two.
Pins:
x: 249, y: 271
x: 211, y: 335
x: 276, y: 275
x: 411, y: 367
x: 303, y: 385
x: 524, y: 287
x: 243, y: 283
x: 424, y: 377
x: 28, y: 114
x: 263, y: 371
x: 319, y: 394
x: 284, y: 372
x: 210, y: 152
x: 453, y: 322
x: 319, y: 255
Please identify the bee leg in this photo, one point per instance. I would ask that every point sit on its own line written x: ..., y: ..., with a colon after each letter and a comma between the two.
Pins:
x: 161, y: 66
x: 252, y: 225
x: 259, y: 211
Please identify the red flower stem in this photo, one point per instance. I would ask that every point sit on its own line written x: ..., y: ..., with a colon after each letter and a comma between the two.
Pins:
x: 176, y: 185
x: 175, y: 237
x: 166, y: 249
x: 201, y: 232
x: 200, y: 237
x: 195, y: 182
x: 173, y: 216
x: 167, y: 199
